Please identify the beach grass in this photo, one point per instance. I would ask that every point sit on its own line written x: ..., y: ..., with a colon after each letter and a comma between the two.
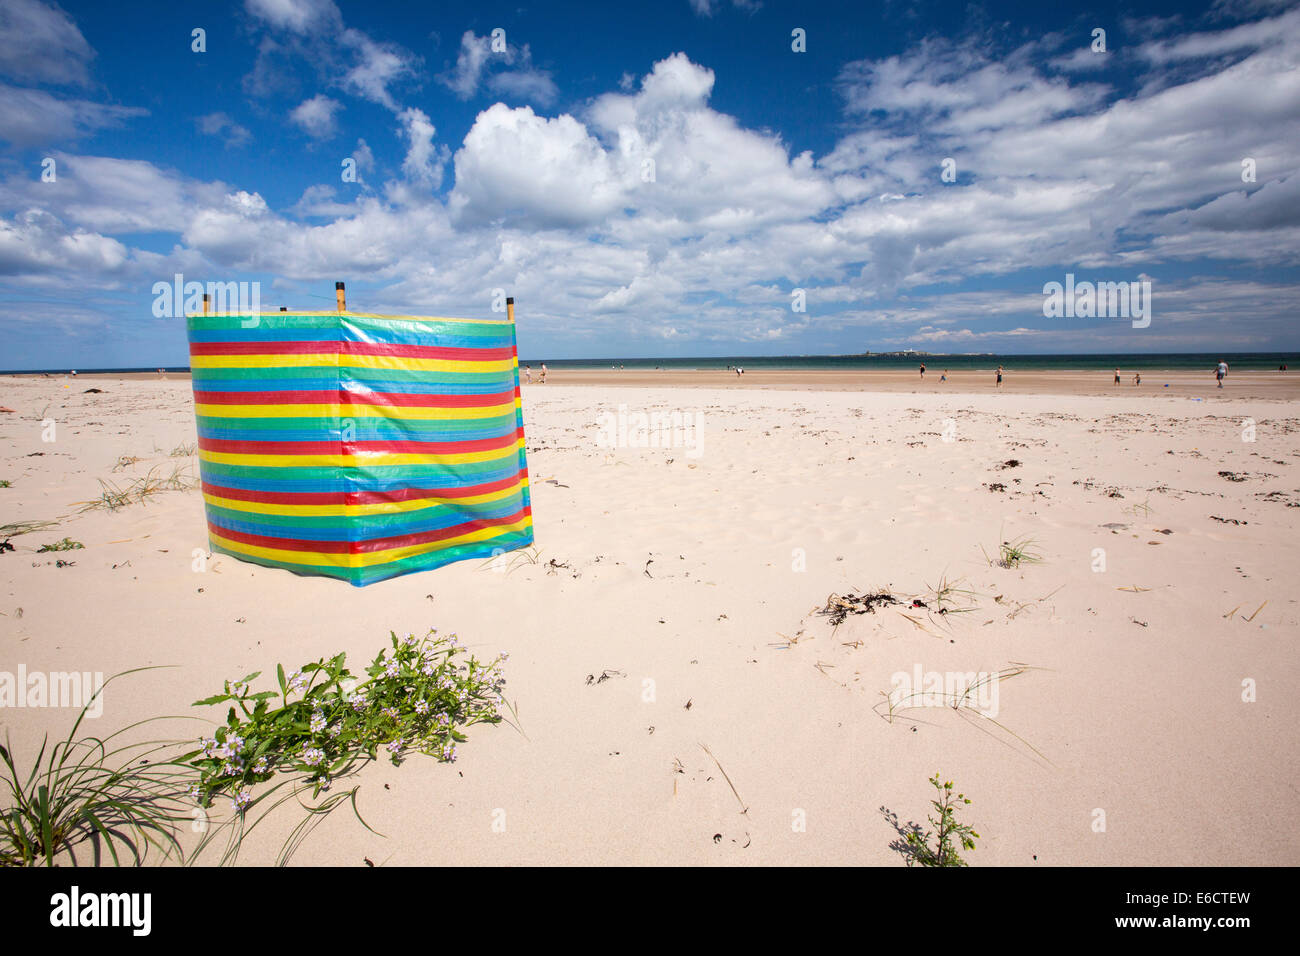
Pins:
x: 138, y: 491
x: 15, y: 528
x: 90, y: 790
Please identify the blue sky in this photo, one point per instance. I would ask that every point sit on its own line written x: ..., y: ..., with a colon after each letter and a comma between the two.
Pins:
x: 654, y: 183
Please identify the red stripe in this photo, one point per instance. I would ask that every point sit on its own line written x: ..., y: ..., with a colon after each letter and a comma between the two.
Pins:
x: 415, y: 494
x: 233, y: 447
x: 366, y: 547
x: 361, y: 497
x: 344, y: 397
x: 352, y: 348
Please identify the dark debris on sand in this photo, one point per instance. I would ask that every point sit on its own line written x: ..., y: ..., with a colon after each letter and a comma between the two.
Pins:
x: 839, y: 607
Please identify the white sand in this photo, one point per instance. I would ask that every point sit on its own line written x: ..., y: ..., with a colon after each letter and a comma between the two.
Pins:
x: 1144, y: 722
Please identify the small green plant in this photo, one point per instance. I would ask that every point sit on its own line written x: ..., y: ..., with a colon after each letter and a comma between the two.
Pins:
x: 183, y: 450
x: 418, y: 698
x: 67, y: 544
x: 1012, y: 554
x: 947, y: 598
x: 116, y: 797
x: 1022, y: 550
x: 949, y: 836
x: 4, y: 483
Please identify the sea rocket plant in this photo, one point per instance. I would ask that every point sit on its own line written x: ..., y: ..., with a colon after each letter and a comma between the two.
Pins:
x: 418, y: 698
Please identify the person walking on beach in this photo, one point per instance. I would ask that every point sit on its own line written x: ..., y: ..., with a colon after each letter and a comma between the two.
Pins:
x: 1116, y: 376
x: 999, y: 376
x: 944, y: 376
x: 923, y: 371
x: 1137, y: 378
x: 1221, y: 371
x: 528, y: 374
x: 543, y: 381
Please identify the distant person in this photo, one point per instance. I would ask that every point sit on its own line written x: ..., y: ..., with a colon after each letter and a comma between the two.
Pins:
x: 999, y: 384
x: 923, y: 371
x: 944, y: 376
x: 74, y: 373
x: 543, y: 381
x: 1116, y: 376
x: 738, y: 373
x: 1137, y: 378
x: 1220, y: 372
x: 1282, y: 367
x: 528, y: 374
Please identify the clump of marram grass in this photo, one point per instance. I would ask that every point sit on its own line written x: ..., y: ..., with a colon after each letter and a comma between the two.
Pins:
x: 4, y: 483
x: 67, y: 544
x: 947, y: 598
x: 183, y: 450
x: 114, y: 797
x: 1014, y: 553
x: 417, y: 699
x: 113, y: 496
x: 949, y: 836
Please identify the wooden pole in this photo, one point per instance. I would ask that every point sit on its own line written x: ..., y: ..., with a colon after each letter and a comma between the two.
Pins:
x: 341, y: 296
x: 205, y: 303
x: 510, y: 309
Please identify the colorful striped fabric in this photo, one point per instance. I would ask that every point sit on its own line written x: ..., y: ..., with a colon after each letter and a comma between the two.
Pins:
x: 359, y: 446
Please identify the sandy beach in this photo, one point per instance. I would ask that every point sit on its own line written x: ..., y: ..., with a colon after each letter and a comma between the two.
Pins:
x: 681, y: 698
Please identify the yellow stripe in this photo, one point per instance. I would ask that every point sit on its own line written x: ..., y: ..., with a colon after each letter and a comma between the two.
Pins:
x: 318, y: 559
x: 374, y: 508
x: 395, y: 412
x: 356, y: 461
x: 400, y: 363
